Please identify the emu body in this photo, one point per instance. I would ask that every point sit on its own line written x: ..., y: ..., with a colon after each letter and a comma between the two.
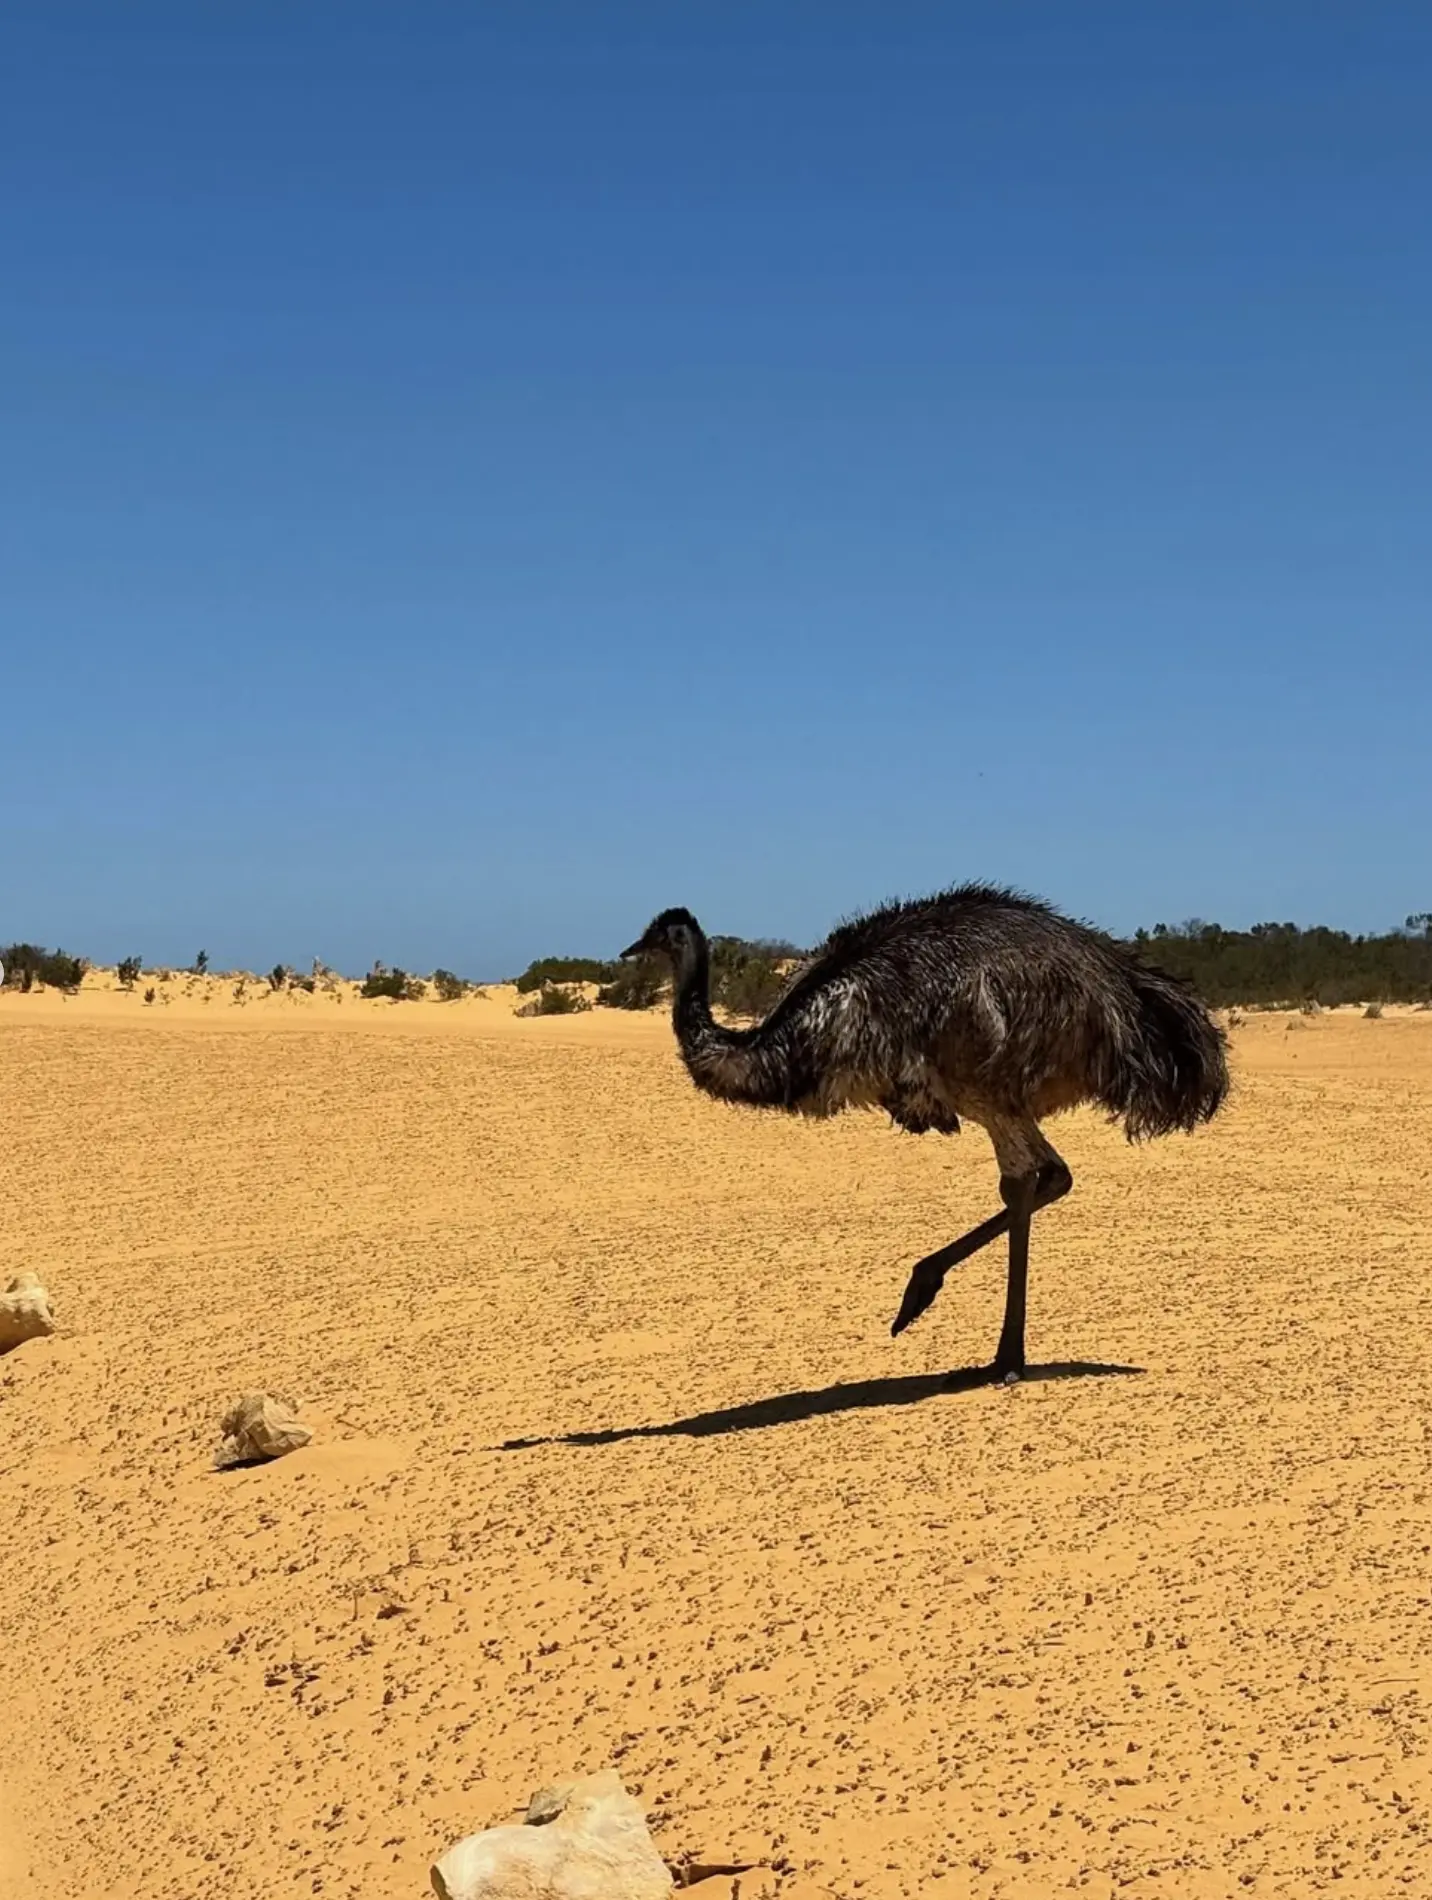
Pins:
x: 977, y: 1004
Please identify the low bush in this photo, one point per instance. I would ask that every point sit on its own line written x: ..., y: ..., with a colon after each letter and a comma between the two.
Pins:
x: 565, y: 970
x: 396, y: 985
x: 128, y: 971
x: 747, y: 978
x: 27, y: 964
x: 636, y: 985
x: 449, y: 988
x: 554, y: 1000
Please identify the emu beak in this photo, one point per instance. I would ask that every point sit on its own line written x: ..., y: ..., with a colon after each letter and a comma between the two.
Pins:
x: 637, y: 949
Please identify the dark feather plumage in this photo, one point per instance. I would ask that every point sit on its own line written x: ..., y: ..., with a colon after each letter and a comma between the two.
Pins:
x: 976, y: 994
x: 976, y: 1003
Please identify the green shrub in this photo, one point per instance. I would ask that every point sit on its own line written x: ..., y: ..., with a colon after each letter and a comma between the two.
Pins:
x: 128, y: 971
x: 753, y: 991
x: 201, y: 964
x: 396, y: 985
x: 636, y: 985
x: 565, y: 970
x: 27, y: 964
x: 449, y: 988
x: 746, y: 978
x: 554, y: 1000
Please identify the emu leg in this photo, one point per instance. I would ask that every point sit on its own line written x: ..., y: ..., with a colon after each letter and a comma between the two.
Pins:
x: 1023, y: 1195
x: 927, y: 1276
x: 1019, y: 1194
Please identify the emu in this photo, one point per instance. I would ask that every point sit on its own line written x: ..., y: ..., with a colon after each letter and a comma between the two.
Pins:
x: 976, y: 1004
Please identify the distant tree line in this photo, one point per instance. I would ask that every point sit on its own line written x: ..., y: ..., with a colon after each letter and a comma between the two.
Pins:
x: 1270, y: 964
x: 1280, y: 963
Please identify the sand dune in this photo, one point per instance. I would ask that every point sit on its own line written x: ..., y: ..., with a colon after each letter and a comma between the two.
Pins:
x: 616, y: 1463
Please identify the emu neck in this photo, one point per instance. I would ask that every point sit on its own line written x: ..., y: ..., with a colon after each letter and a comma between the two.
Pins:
x: 734, y: 1065
x: 696, y: 1028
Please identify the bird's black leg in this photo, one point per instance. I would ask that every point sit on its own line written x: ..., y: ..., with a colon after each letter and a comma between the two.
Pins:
x: 927, y: 1276
x: 1023, y: 1195
x: 1018, y: 1194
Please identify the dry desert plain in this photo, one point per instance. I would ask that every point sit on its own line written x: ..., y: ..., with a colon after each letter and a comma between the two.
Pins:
x: 617, y: 1463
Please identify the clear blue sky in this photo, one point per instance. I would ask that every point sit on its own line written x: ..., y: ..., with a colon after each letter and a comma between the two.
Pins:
x: 473, y: 475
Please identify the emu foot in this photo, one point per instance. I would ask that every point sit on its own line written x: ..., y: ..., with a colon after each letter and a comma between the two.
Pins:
x: 927, y: 1276
x: 926, y: 1279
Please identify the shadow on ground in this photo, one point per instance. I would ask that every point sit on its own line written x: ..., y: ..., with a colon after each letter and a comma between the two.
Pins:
x: 788, y: 1408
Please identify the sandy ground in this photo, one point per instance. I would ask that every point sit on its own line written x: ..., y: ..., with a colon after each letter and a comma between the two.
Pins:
x: 617, y: 1464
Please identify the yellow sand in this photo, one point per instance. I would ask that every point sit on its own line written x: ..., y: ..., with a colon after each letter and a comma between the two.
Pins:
x: 1165, y: 1634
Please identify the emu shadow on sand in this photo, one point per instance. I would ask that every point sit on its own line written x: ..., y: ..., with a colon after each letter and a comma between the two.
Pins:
x: 977, y: 1004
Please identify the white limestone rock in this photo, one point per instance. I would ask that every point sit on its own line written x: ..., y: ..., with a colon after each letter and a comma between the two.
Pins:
x: 584, y: 1840
x: 258, y: 1427
x: 24, y: 1312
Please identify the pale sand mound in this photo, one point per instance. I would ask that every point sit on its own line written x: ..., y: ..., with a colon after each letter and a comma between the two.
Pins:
x: 1170, y: 1632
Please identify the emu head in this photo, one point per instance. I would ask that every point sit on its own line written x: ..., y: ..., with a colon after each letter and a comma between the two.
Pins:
x: 674, y: 935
